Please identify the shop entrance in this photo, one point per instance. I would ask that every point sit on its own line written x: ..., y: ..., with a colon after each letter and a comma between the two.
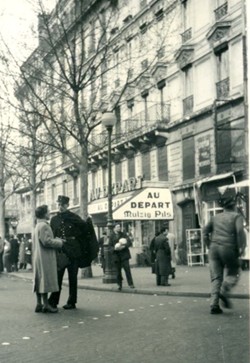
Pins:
x: 189, y: 219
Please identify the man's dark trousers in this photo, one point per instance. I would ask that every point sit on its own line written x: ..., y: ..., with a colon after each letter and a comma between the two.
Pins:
x: 72, y: 272
x: 124, y: 264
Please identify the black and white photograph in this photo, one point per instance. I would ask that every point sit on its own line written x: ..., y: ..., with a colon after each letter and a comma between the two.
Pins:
x: 124, y: 181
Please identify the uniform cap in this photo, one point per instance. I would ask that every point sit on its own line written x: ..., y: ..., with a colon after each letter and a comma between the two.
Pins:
x: 62, y: 199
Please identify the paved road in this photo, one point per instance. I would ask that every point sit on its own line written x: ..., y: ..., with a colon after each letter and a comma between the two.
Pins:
x: 124, y: 328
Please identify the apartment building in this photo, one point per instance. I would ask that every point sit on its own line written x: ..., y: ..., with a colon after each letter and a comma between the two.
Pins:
x: 180, y: 118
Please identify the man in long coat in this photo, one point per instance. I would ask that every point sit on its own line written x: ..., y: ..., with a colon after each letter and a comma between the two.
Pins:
x: 163, y: 258
x: 73, y: 229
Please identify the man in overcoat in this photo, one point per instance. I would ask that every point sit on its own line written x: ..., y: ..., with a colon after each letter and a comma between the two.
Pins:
x: 73, y: 229
x: 120, y: 243
x: 163, y: 258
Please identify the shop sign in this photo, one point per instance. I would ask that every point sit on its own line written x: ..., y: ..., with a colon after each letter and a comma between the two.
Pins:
x: 151, y: 203
x: 102, y: 207
x: 117, y: 188
x: 204, y: 155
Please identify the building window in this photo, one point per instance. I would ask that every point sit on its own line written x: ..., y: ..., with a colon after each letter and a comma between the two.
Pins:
x: 188, y: 158
x: 146, y: 166
x: 131, y: 167
x: 162, y: 163
x: 65, y: 187
x: 144, y: 120
x: 118, y: 121
x: 118, y: 172
x: 188, y: 90
x: 222, y: 85
x: 186, y: 15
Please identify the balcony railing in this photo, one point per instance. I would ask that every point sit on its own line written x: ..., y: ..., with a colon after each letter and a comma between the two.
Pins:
x: 155, y: 115
x: 221, y: 11
x: 188, y: 105
x: 222, y: 88
x: 186, y: 35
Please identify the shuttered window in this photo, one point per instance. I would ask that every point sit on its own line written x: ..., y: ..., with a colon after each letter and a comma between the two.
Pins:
x: 131, y: 167
x: 118, y: 172
x: 146, y: 166
x: 162, y: 163
x: 188, y: 158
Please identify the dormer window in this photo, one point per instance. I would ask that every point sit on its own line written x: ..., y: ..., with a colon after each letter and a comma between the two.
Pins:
x: 159, y: 14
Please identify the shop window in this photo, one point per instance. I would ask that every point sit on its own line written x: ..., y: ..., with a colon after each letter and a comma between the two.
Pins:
x: 188, y: 158
x: 146, y: 166
x: 162, y: 163
x: 212, y: 208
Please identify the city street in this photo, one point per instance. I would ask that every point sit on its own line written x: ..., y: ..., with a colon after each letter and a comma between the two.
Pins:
x: 116, y: 327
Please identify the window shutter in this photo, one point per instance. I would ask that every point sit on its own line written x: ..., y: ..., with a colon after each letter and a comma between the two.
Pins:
x: 188, y: 158
x: 163, y: 163
x: 131, y: 167
x: 146, y: 166
x: 118, y: 172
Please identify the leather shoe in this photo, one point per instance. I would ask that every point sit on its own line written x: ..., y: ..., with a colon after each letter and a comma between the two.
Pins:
x: 131, y: 286
x: 216, y: 310
x: 226, y: 303
x: 69, y: 306
x: 49, y: 309
x: 39, y: 308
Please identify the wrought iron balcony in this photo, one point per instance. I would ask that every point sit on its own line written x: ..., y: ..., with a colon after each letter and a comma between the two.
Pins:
x: 222, y: 88
x: 153, y: 116
x: 186, y: 35
x: 221, y: 11
x: 188, y: 105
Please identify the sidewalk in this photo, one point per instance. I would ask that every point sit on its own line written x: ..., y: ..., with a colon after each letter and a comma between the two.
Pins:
x: 189, y: 281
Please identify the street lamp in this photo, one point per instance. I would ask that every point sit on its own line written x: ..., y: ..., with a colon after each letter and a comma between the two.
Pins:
x: 109, y: 120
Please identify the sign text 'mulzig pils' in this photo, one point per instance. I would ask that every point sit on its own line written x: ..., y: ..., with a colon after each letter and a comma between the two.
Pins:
x: 150, y: 203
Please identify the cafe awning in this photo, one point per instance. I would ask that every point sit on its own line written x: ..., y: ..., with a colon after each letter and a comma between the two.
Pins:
x: 148, y: 204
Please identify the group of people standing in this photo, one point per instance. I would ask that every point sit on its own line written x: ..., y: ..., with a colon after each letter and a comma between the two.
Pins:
x: 14, y: 254
x: 68, y: 242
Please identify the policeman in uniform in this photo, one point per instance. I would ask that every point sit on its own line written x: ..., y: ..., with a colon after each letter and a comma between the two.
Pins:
x: 72, y: 229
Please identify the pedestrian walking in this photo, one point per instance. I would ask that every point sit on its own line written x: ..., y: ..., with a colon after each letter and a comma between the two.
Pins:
x: 101, y: 250
x: 73, y: 229
x: 44, y: 261
x: 172, y: 245
x: 7, y: 256
x: 21, y: 257
x: 225, y: 238
x: 14, y: 252
x: 163, y: 258
x: 119, y: 242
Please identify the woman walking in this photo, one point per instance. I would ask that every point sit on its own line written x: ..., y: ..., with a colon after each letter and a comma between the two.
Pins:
x: 44, y: 260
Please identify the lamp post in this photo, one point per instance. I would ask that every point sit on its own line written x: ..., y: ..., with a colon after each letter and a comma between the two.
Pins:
x: 109, y: 120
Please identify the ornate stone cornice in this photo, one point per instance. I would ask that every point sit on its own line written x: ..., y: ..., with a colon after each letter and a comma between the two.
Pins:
x: 219, y: 32
x: 184, y: 56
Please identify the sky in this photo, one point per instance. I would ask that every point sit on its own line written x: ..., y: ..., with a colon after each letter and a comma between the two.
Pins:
x: 18, y: 23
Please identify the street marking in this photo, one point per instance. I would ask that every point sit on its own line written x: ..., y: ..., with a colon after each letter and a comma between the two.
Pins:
x: 120, y: 312
x: 152, y: 306
x: 107, y: 316
x: 161, y: 304
x: 131, y: 309
x: 179, y: 302
x: 95, y: 318
x: 5, y: 343
x: 80, y: 322
x: 46, y: 331
x: 26, y: 338
x: 65, y: 327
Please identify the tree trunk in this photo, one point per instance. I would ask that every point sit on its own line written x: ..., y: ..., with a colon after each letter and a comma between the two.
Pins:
x: 2, y: 217
x: 85, y: 272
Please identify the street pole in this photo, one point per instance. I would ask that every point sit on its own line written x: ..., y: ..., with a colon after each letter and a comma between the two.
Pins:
x: 110, y: 270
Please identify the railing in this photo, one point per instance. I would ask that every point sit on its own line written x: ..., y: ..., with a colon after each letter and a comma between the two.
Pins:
x: 155, y: 115
x: 188, y: 105
x: 222, y: 88
x: 186, y: 35
x: 221, y: 11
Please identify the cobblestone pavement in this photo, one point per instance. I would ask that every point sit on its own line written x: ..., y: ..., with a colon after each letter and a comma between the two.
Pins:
x: 124, y: 328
